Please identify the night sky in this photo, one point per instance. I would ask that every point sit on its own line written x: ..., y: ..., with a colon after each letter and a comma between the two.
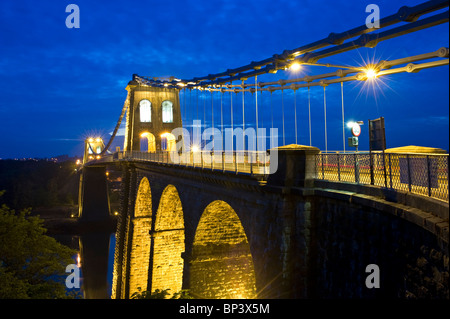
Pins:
x: 60, y: 85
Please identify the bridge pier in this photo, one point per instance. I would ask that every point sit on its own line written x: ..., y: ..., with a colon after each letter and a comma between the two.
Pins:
x: 93, y: 200
x: 95, y: 227
x: 296, y: 170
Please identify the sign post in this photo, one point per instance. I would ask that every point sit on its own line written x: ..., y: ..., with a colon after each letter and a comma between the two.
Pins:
x: 356, y: 131
x: 377, y: 135
x: 377, y: 142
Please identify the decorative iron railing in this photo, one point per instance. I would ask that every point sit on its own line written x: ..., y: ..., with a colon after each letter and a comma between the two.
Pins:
x: 248, y: 162
x: 424, y: 174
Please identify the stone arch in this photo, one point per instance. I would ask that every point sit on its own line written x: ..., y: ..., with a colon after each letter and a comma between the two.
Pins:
x: 221, y: 265
x: 143, y: 207
x: 140, y: 242
x: 168, y: 243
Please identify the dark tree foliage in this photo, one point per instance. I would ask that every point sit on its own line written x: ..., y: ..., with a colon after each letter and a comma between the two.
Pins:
x: 32, y: 264
x: 39, y: 183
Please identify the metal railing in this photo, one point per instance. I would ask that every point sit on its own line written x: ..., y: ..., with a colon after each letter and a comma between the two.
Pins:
x: 424, y: 174
x: 247, y: 162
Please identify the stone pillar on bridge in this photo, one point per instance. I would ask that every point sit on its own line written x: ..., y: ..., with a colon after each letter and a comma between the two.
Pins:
x: 296, y: 169
x: 296, y: 166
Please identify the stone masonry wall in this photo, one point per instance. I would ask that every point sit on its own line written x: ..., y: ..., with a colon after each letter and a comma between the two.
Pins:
x: 346, y: 238
x: 140, y: 254
x: 167, y: 264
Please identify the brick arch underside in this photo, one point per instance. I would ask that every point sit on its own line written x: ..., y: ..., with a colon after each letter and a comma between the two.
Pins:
x: 140, y: 252
x: 168, y: 240
x: 221, y: 265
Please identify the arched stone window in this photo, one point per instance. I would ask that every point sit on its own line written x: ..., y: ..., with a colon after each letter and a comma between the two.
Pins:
x: 145, y: 111
x: 167, y: 112
x: 168, y: 142
x: 148, y: 142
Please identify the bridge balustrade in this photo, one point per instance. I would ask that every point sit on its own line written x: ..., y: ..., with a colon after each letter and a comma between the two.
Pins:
x: 239, y: 162
x: 423, y: 174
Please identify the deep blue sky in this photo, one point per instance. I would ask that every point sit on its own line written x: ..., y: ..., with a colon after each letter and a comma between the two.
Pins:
x: 61, y: 85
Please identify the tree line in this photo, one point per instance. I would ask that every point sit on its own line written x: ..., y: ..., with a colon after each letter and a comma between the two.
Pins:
x: 38, y: 183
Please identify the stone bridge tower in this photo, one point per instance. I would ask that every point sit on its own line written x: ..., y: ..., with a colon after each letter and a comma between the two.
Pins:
x: 152, y: 115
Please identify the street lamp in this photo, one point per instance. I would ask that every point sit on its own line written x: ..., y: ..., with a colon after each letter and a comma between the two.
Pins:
x: 371, y: 73
x: 295, y: 66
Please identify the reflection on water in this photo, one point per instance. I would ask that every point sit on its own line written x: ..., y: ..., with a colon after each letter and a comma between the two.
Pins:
x: 109, y: 278
x: 95, y: 248
x: 95, y: 256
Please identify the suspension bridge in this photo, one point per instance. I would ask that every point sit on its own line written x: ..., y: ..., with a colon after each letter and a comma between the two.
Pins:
x: 217, y: 202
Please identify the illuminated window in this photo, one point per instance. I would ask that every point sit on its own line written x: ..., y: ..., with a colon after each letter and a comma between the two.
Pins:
x: 168, y: 142
x: 145, y: 109
x: 167, y: 112
x: 148, y: 142
x: 98, y: 150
